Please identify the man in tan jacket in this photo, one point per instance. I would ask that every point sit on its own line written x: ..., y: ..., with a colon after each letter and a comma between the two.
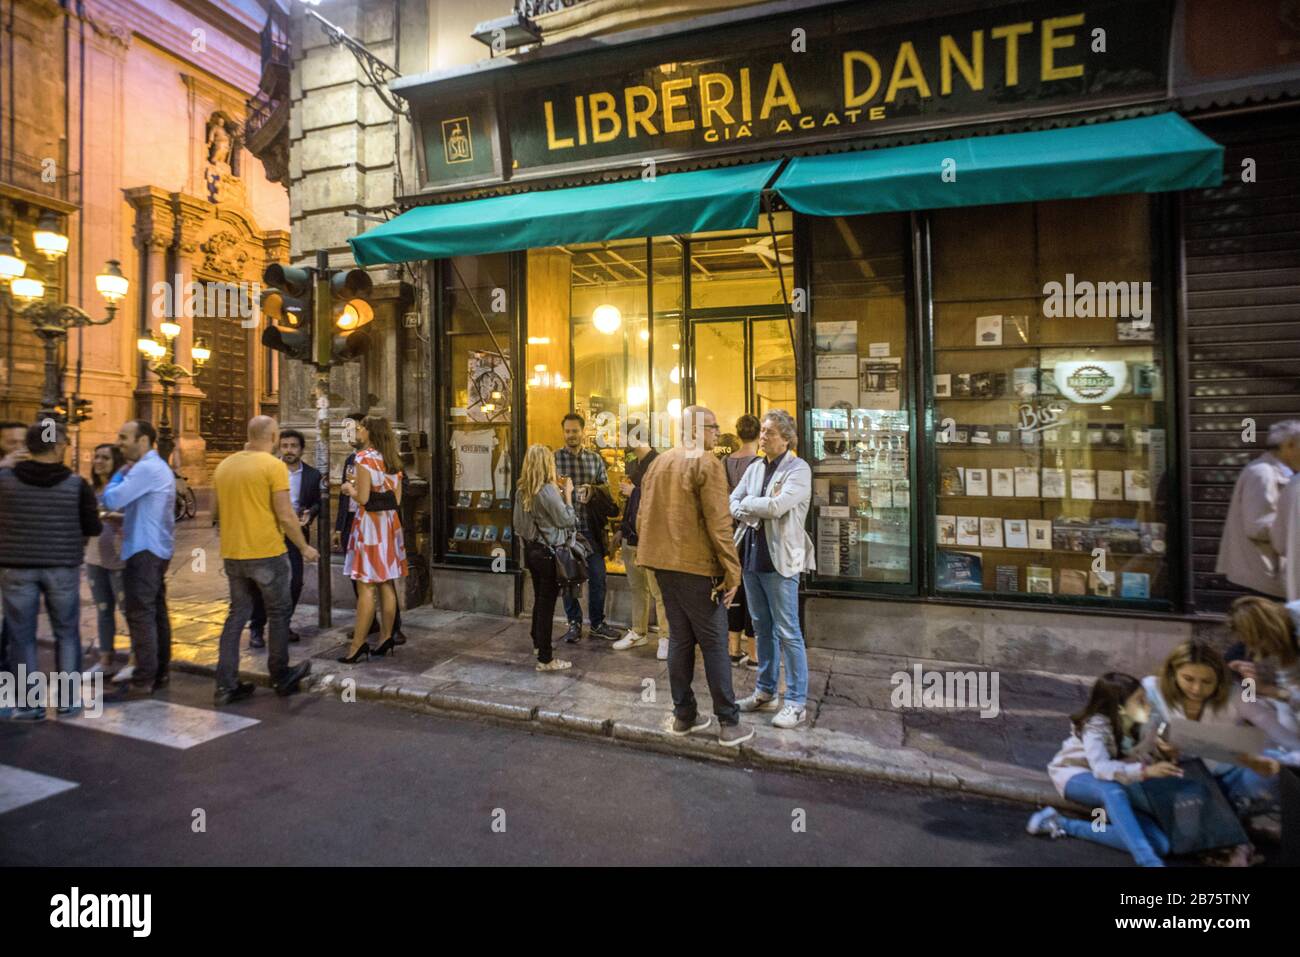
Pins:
x: 684, y: 532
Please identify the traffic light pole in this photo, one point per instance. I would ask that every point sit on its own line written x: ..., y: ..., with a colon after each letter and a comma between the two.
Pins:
x: 322, y: 319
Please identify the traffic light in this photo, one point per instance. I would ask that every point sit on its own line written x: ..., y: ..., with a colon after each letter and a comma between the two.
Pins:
x: 349, y: 310
x: 82, y: 410
x: 286, y: 302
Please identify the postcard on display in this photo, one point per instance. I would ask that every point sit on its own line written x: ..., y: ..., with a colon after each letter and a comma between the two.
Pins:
x: 1004, y: 482
x: 1053, y: 483
x: 1026, y: 481
x: 1008, y: 578
x: 837, y: 365
x: 952, y: 481
x: 879, y: 383
x: 961, y: 571
x: 1110, y: 485
x: 943, y: 385
x: 902, y: 493
x: 991, y: 532
x: 1040, y: 534
x: 836, y: 336
x: 977, y: 481
x: 945, y: 529
x: 1074, y: 581
x: 1083, y: 484
x: 1038, y: 580
x: 988, y: 330
x: 836, y: 393
x: 882, y: 494
x: 1017, y: 532
x: 1137, y: 485
x: 968, y: 530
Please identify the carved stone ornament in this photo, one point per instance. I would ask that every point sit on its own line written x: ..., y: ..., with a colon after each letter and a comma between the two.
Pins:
x: 223, y: 255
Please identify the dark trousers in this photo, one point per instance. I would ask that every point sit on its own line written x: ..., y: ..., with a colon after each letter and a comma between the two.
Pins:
x: 258, y: 622
x: 738, y: 618
x: 269, y: 578
x: 694, y: 618
x: 144, y: 581
x: 546, y: 591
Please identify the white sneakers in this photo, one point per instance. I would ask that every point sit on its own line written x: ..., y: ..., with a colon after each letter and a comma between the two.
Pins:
x: 758, y: 701
x: 790, y: 716
x: 630, y: 640
x: 662, y: 653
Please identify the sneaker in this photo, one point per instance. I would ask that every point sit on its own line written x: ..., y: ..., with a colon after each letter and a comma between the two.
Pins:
x: 790, y: 716
x: 734, y: 735
x: 750, y: 663
x: 758, y: 701
x: 630, y: 640
x: 255, y: 640
x: 555, y: 664
x: 124, y: 675
x: 606, y: 630
x: 295, y: 675
x: 574, y: 633
x: 230, y: 695
x: 1046, y: 821
x: 681, y: 727
x: 662, y: 653
x: 736, y: 659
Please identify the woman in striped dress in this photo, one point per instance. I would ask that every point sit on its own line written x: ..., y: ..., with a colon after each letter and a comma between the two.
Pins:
x: 376, y: 555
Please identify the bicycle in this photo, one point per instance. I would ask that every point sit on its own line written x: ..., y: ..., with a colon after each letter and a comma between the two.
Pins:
x: 187, y: 503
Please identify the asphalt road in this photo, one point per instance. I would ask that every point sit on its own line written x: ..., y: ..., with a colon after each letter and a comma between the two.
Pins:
x: 319, y: 781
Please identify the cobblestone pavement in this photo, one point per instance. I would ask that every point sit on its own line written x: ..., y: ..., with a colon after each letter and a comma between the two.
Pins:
x: 481, y: 665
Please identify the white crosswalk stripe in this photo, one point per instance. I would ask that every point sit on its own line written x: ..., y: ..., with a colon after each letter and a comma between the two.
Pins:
x: 161, y: 722
x: 19, y: 787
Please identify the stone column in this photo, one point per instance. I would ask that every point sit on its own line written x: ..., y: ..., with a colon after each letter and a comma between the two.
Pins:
x: 191, y: 448
x: 154, y: 233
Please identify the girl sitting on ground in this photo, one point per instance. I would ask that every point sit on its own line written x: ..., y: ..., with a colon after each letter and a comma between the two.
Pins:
x: 1096, y: 764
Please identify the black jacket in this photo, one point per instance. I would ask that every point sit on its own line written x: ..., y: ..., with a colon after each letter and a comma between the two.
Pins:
x: 600, y: 508
x: 46, y: 517
x: 309, y: 494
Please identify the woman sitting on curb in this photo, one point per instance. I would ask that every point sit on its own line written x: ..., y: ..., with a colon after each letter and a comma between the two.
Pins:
x: 1095, y: 765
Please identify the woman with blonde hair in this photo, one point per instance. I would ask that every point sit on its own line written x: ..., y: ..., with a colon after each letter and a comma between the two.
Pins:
x: 543, y: 518
x: 376, y: 553
x: 1269, y: 633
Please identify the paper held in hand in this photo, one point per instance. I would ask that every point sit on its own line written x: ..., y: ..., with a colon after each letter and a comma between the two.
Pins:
x: 1218, y: 742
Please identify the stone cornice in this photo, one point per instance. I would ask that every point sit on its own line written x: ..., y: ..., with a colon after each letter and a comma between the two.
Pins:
x: 155, y: 223
x: 170, y: 31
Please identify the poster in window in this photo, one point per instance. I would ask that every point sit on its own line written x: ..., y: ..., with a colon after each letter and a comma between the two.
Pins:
x: 879, y: 382
x: 489, y: 387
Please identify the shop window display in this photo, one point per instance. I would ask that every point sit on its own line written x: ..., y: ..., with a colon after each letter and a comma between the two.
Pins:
x: 478, y: 372
x: 1049, y: 402
x: 861, y: 450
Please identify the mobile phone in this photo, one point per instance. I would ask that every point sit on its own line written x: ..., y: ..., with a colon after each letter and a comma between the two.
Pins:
x: 1162, y: 732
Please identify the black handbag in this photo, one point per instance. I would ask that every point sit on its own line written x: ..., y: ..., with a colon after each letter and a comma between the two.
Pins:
x: 1191, y: 810
x: 571, y: 562
x: 381, y: 502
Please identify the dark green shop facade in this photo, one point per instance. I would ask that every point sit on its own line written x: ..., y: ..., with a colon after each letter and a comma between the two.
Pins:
x: 956, y: 248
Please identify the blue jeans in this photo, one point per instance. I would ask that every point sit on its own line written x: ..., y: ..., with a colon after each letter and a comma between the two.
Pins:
x: 247, y: 577
x: 773, y: 603
x: 1126, y: 829
x: 1247, y: 791
x: 106, y: 589
x: 23, y: 588
x: 595, y: 594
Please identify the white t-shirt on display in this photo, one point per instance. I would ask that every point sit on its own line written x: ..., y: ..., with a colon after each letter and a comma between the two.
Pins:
x: 501, y: 476
x: 473, y: 458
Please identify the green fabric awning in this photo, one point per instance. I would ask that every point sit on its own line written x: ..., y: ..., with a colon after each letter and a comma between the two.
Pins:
x: 699, y: 201
x: 1151, y: 154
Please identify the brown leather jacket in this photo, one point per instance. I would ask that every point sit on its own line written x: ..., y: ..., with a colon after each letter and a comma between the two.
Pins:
x: 683, y: 523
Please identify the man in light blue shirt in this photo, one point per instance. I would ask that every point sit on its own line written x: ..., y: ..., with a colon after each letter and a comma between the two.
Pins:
x: 145, y: 492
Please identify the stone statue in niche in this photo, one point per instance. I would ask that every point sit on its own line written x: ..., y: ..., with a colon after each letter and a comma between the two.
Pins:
x: 221, y: 159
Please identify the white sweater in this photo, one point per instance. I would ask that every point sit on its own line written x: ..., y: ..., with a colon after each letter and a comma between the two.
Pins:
x: 1092, y: 751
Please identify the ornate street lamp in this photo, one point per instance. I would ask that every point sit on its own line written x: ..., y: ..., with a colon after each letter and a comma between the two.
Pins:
x: 51, y: 321
x: 160, y: 356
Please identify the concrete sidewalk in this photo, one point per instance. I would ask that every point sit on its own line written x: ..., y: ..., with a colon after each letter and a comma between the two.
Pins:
x: 483, y: 666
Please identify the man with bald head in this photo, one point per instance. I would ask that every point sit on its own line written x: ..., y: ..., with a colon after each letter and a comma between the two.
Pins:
x: 257, y: 518
x: 145, y: 493
x: 684, y: 534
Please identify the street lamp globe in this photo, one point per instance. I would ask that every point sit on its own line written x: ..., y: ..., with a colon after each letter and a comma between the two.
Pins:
x: 112, y: 285
x: 47, y: 238
x: 27, y: 289
x: 169, y: 329
x: 200, y: 351
x: 11, y: 263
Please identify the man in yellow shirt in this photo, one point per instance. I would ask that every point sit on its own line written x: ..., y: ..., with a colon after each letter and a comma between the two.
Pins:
x: 256, y: 517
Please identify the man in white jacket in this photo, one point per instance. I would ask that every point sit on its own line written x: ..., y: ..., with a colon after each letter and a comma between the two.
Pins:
x: 1247, y: 557
x: 770, y: 503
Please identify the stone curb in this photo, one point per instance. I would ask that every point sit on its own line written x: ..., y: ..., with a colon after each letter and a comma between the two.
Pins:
x: 555, y: 721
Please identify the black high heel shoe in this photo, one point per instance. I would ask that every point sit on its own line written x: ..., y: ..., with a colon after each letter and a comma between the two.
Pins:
x: 387, y: 648
x: 356, y: 655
